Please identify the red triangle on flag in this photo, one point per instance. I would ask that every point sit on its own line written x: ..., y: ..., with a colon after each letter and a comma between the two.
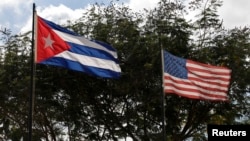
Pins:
x: 49, y: 43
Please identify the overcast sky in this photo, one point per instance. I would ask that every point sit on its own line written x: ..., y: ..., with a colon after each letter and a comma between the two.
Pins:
x: 16, y: 14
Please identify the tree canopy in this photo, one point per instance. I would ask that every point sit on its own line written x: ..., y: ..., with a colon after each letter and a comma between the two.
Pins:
x: 75, y: 106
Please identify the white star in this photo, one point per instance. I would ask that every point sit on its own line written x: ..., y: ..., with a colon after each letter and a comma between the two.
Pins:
x: 48, y: 42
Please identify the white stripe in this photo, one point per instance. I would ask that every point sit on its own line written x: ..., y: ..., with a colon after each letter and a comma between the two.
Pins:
x: 82, y: 41
x: 209, y: 92
x: 187, y: 93
x: 209, y: 74
x: 212, y: 68
x: 90, y: 61
x: 190, y: 75
x: 203, y: 84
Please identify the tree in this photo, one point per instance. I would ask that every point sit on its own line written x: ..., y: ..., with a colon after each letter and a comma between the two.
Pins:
x: 88, y: 108
x: 14, y: 90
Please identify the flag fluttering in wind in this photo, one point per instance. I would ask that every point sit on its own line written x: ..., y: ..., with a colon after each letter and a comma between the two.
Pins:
x: 195, y: 80
x: 61, y: 47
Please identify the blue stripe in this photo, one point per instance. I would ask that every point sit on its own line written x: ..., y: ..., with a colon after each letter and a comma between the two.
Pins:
x: 84, y: 50
x: 107, y: 46
x: 88, y: 51
x: 62, y: 29
x: 72, y: 65
x: 59, y: 28
x: 175, y: 66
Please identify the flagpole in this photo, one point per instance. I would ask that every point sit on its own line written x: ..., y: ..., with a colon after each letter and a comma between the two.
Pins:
x: 32, y: 77
x: 163, y: 94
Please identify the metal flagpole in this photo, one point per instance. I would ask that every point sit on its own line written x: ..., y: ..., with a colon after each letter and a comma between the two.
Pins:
x: 162, y: 82
x: 32, y: 77
x: 163, y: 99
x: 163, y: 94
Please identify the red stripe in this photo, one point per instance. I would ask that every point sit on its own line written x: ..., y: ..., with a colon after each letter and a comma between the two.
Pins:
x: 196, y: 97
x: 210, y: 82
x: 192, y: 83
x: 200, y: 94
x: 207, y: 65
x: 208, y: 71
x: 208, y: 79
x: 192, y: 90
x: 205, y: 82
x: 212, y: 71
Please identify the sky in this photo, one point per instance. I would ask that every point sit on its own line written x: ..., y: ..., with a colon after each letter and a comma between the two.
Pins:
x: 17, y: 14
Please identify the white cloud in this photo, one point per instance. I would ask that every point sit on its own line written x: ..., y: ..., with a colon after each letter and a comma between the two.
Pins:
x: 13, y: 13
x: 58, y: 14
x: 139, y: 5
x: 15, y: 5
x: 235, y: 13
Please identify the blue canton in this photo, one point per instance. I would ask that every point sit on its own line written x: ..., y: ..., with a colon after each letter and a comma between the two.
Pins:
x: 175, y: 66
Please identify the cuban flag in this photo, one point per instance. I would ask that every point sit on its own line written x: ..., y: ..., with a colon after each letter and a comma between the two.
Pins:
x: 61, y: 47
x: 195, y: 80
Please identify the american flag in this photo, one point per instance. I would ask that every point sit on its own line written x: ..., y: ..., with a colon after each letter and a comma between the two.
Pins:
x: 195, y: 80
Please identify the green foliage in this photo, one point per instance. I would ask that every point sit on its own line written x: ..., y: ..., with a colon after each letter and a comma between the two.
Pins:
x: 87, y: 108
